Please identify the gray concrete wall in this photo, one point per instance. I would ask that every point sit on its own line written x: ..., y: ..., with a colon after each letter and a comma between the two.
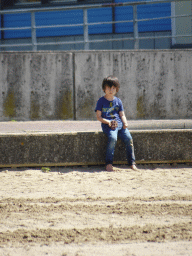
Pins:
x: 36, y: 86
x: 183, y: 25
x: 155, y: 84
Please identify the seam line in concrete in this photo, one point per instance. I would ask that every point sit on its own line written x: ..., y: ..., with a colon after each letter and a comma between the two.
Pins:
x: 74, y: 89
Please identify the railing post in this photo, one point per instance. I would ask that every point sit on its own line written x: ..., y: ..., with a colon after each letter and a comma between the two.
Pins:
x: 33, y: 32
x: 173, y: 23
x: 135, y: 27
x: 85, y: 29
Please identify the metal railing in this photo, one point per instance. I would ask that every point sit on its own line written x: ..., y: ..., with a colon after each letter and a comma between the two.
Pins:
x: 86, y: 41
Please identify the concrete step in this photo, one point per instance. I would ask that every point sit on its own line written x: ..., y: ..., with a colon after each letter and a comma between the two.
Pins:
x: 65, y: 143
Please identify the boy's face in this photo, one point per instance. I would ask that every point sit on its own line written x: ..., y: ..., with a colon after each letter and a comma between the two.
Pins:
x: 110, y: 91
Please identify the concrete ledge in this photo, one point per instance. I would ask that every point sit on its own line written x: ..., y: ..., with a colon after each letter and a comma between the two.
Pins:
x: 88, y: 148
x: 89, y: 125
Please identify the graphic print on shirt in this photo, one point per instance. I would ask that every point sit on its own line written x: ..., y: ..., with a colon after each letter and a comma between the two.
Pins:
x: 109, y: 112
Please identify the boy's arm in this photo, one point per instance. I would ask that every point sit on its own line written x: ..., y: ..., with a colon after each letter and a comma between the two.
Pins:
x: 123, y: 119
x: 101, y: 119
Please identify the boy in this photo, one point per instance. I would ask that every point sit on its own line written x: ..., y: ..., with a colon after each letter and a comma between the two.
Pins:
x: 110, y: 113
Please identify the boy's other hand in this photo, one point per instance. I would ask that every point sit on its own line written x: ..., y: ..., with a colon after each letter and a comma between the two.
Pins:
x: 125, y: 125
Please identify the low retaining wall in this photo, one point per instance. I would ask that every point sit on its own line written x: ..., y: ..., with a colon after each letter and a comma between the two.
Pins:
x: 88, y: 148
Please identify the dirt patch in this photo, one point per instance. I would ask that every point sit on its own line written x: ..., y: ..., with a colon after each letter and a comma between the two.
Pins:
x: 86, y: 205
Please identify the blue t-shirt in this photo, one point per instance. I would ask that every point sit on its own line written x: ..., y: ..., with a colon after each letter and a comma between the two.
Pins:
x: 110, y: 109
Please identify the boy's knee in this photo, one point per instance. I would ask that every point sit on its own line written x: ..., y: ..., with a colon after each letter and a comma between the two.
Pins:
x: 113, y: 139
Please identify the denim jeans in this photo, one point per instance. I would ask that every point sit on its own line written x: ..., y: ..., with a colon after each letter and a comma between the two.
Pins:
x: 125, y: 136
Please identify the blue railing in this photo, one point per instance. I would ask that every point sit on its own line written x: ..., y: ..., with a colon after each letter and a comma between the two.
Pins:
x: 86, y: 26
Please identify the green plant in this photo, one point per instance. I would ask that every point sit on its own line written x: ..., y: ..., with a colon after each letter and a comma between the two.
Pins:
x: 45, y: 169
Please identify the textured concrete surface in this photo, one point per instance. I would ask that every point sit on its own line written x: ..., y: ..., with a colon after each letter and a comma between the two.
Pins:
x: 36, y: 86
x: 182, y: 24
x: 155, y: 84
x: 83, y: 143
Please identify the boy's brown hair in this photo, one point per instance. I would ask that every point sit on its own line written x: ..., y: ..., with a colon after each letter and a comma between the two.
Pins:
x: 110, y: 81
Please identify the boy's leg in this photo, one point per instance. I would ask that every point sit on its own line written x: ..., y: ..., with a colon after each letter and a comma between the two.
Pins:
x: 112, y: 140
x: 126, y: 137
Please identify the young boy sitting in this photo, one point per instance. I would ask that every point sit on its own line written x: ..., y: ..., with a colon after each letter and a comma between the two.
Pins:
x: 110, y: 113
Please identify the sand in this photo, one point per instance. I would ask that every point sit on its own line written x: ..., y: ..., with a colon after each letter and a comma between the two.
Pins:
x: 88, y: 211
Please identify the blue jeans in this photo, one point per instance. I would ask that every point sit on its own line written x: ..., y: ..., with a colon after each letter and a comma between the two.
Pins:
x: 125, y: 136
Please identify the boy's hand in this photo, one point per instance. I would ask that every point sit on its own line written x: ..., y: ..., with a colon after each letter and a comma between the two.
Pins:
x: 114, y: 124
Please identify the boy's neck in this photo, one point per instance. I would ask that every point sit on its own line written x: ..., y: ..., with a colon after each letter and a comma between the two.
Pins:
x: 109, y: 98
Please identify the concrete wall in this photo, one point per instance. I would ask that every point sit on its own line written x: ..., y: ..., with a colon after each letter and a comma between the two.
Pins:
x: 88, y: 148
x: 154, y: 84
x: 36, y: 86
x: 66, y: 85
x: 183, y: 25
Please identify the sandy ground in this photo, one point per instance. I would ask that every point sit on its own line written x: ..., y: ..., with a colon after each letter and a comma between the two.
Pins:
x: 88, y: 211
